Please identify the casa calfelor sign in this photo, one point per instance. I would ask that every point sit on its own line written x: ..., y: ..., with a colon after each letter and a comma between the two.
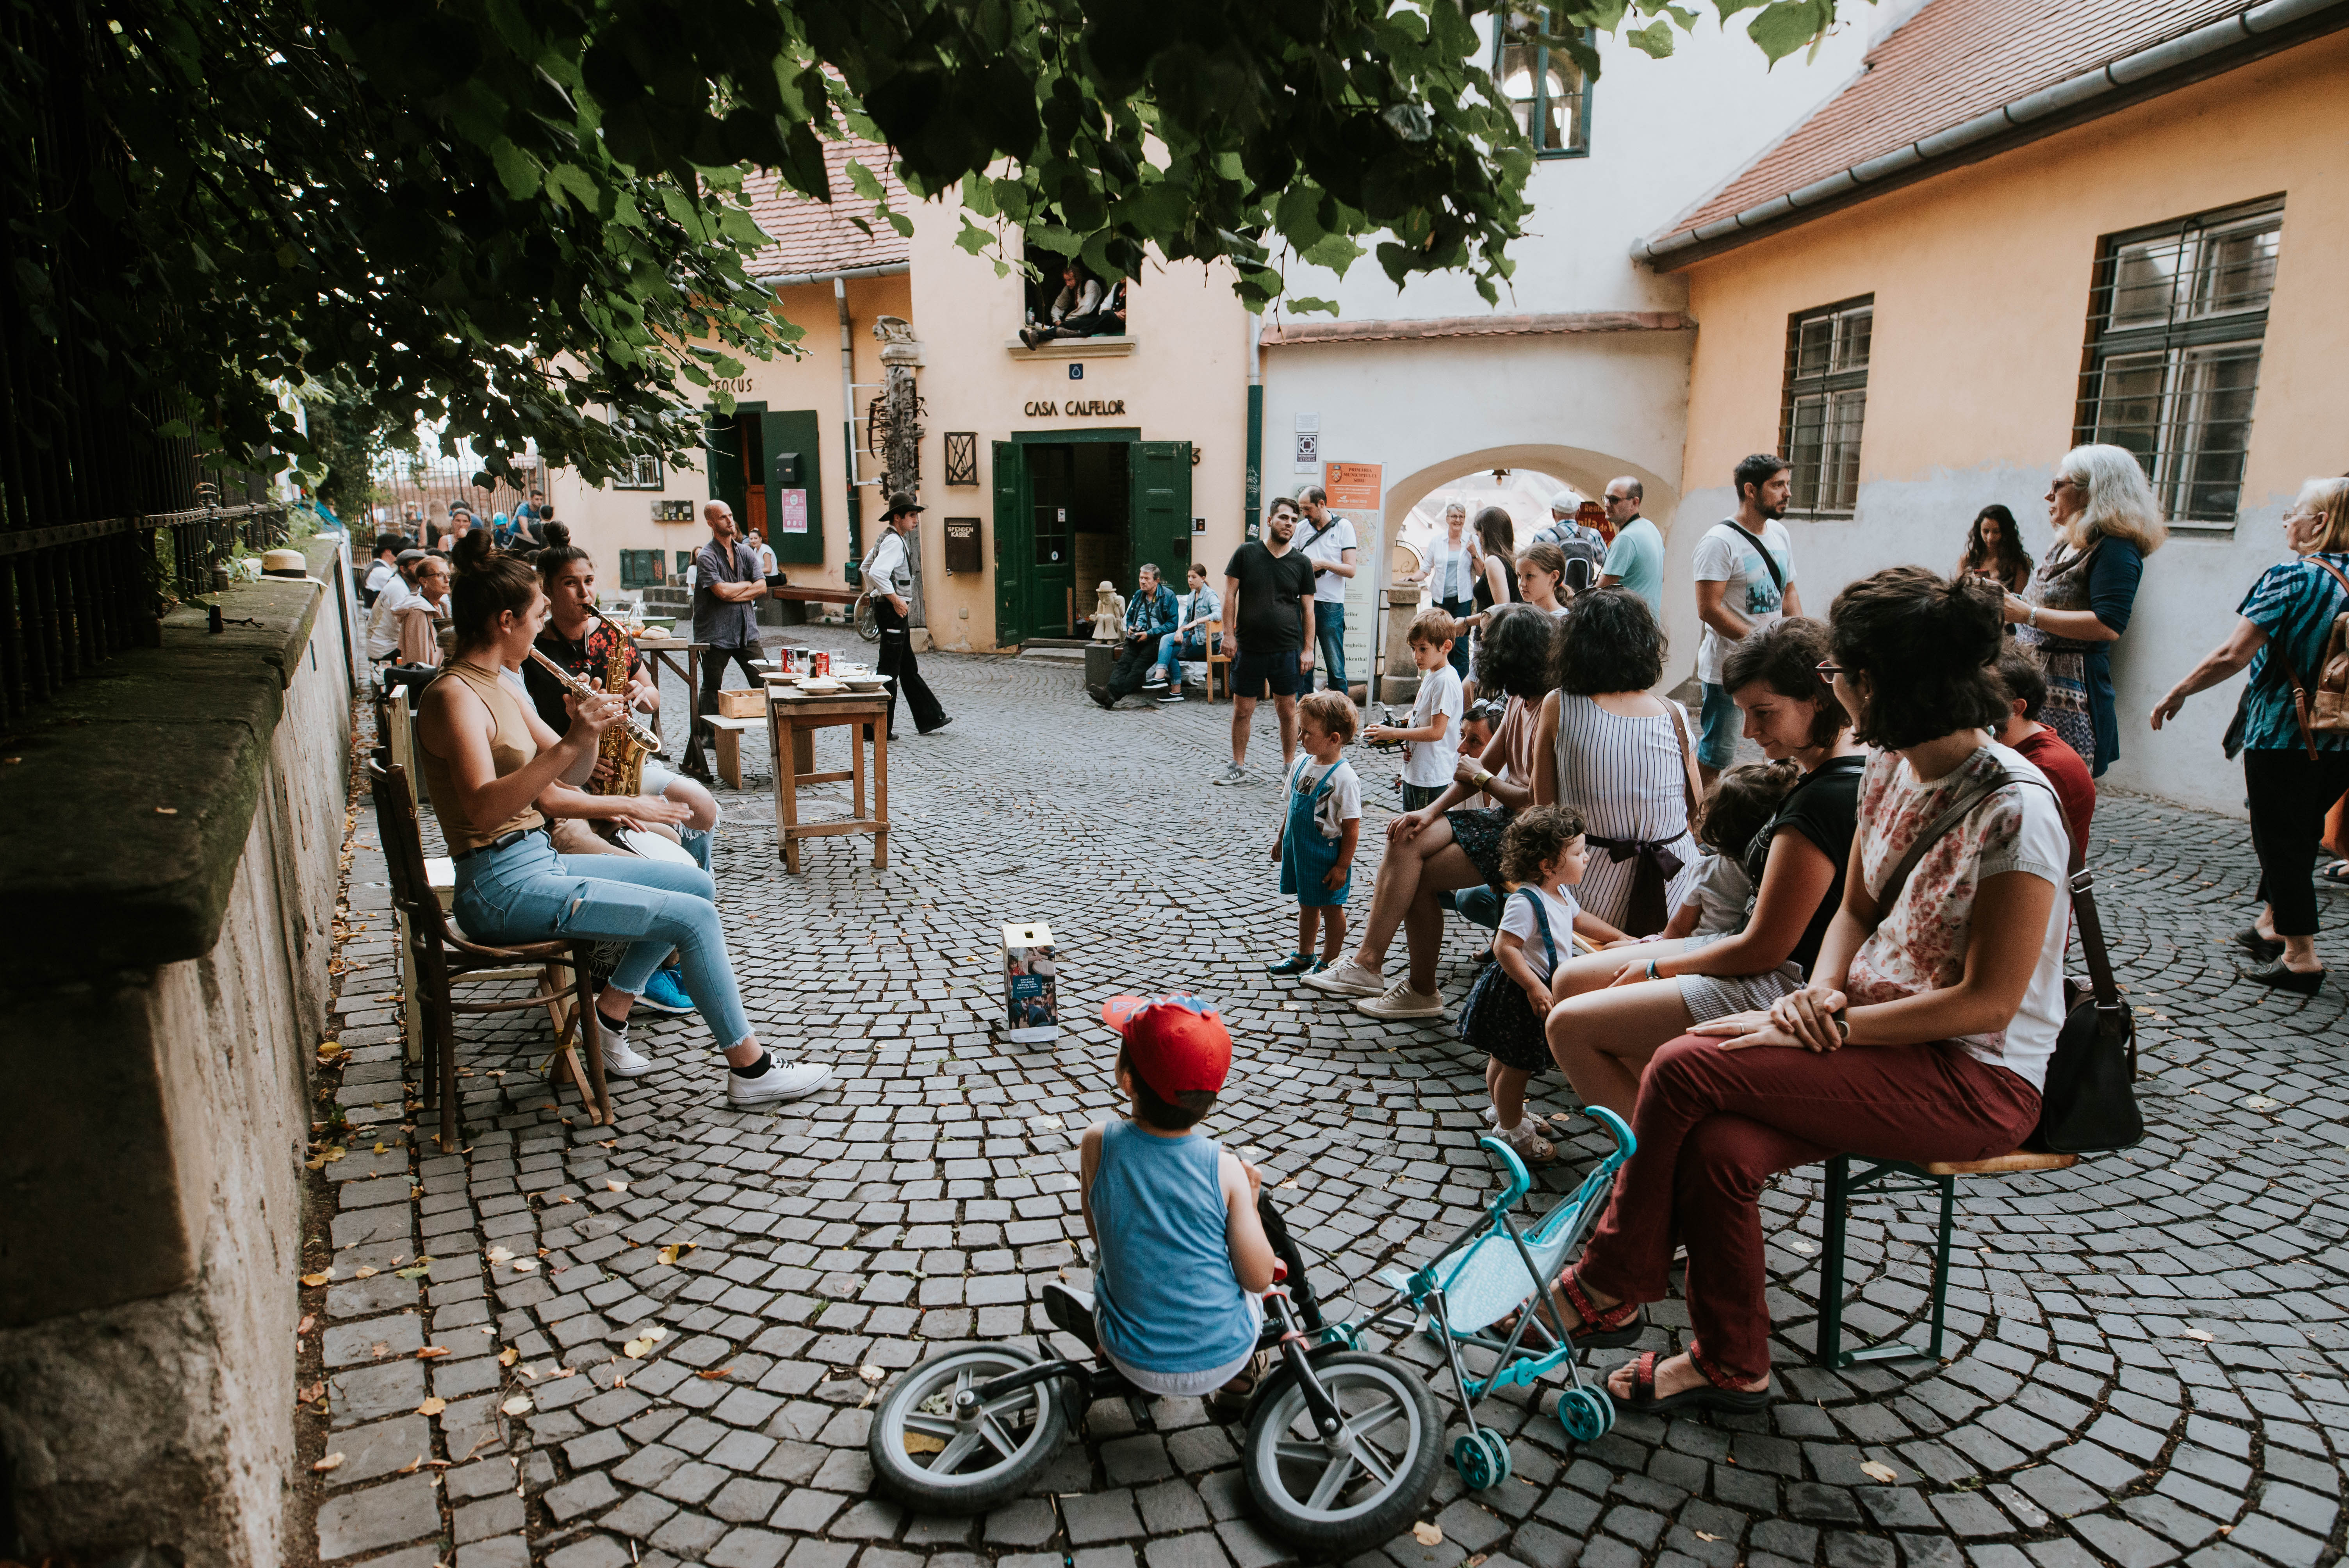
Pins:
x: 1045, y: 409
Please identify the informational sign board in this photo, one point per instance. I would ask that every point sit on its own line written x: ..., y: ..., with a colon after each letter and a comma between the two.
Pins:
x: 962, y: 545
x: 793, y: 512
x: 1352, y: 486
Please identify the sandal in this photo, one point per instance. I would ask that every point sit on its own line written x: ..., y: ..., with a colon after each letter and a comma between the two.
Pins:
x: 1705, y: 1396
x: 1529, y: 1145
x: 2335, y: 875
x: 1294, y: 964
x: 1617, y: 1328
x: 2267, y: 950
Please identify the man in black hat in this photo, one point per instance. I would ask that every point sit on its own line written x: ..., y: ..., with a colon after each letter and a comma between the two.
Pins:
x: 889, y: 578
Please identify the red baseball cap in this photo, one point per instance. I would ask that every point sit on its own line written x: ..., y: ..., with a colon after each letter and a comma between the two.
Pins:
x: 1176, y: 1042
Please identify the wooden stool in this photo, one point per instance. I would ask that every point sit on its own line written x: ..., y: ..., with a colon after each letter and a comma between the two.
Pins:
x: 728, y: 747
x: 439, y: 957
x: 1901, y: 1176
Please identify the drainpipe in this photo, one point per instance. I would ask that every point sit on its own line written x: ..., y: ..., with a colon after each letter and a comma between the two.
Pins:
x: 1255, y: 423
x: 853, y: 571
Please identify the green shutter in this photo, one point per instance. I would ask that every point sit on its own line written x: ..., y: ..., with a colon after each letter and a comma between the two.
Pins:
x: 1160, y: 507
x: 792, y: 437
x: 1011, y: 547
x: 723, y: 461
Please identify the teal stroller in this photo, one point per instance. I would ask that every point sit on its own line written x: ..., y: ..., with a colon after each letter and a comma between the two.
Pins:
x: 1486, y: 1275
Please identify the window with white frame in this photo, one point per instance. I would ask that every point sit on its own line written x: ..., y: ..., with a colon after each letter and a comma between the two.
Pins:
x: 1543, y: 85
x: 2176, y: 317
x: 1824, y: 405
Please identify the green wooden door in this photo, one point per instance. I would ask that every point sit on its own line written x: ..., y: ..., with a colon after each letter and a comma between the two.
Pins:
x: 721, y: 442
x: 1159, y: 513
x: 1011, y: 547
x: 794, y: 470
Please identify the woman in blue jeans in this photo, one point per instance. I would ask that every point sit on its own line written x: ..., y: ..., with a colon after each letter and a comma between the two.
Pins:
x: 489, y: 759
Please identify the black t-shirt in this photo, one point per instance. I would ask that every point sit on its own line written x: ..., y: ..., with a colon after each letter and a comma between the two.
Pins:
x: 1824, y: 807
x: 1272, y: 619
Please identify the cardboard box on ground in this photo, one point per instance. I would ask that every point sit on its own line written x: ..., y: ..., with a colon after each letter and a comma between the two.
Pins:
x: 1031, y: 994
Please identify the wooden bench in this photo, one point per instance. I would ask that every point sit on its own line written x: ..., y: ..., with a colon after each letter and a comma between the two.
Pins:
x: 1891, y: 1176
x: 730, y: 746
x: 1217, y: 659
x: 815, y: 596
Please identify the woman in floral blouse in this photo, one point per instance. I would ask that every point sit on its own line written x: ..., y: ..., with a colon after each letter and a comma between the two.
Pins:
x: 1923, y: 1033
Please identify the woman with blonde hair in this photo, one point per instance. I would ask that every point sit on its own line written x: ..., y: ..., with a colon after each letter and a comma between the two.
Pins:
x: 2291, y: 775
x: 2106, y: 522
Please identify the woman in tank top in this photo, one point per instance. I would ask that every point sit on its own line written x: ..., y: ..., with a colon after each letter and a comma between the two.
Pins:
x: 489, y: 759
x: 1496, y: 574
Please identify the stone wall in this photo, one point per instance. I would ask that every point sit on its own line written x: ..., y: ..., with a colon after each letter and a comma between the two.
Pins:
x: 180, y: 816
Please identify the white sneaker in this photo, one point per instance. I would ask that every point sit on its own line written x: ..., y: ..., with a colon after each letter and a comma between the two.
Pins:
x: 1233, y: 773
x: 1346, y: 978
x: 780, y: 1081
x: 1400, y: 1001
x: 621, y: 1061
x: 1173, y: 694
x: 1154, y: 678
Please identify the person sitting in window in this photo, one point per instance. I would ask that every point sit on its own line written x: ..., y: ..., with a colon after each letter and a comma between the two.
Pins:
x: 1083, y: 309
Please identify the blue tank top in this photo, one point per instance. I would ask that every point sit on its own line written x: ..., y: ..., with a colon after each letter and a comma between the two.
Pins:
x: 1166, y: 1298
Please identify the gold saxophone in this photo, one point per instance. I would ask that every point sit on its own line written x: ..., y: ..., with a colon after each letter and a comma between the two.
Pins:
x: 622, y: 750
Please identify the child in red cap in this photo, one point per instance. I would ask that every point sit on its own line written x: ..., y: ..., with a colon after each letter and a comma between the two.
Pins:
x: 1181, y: 1258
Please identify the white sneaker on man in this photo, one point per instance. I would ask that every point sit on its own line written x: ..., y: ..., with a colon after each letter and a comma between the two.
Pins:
x: 621, y: 1061
x: 1346, y: 978
x: 780, y: 1081
x: 1400, y: 1001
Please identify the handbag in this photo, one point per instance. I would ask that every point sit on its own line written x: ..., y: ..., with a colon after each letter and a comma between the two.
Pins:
x: 2088, y: 1103
x: 1495, y: 1008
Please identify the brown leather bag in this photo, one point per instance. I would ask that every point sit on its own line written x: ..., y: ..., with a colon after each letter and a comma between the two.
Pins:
x: 2323, y: 705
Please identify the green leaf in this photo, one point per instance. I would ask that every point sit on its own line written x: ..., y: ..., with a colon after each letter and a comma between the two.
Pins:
x: 518, y: 171
x: 1335, y: 252
x: 1786, y: 26
x: 1654, y: 40
x: 1308, y: 304
x: 865, y: 182
x: 974, y: 239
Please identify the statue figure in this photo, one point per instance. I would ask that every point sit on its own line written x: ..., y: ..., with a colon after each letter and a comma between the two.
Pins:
x: 1109, y: 615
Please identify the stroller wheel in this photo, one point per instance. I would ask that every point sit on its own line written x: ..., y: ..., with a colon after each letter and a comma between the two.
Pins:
x: 927, y: 1456
x: 1333, y: 1504
x: 1587, y: 1414
x: 1482, y: 1458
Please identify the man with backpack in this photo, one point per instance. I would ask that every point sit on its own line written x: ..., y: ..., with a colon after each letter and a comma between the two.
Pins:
x: 1744, y: 578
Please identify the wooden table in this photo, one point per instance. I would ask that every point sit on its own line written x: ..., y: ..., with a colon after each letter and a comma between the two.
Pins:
x: 788, y: 718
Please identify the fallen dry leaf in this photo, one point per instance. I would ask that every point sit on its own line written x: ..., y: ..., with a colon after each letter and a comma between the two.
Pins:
x: 363, y: 1272
x: 167, y: 810
x: 655, y: 1334
x: 1877, y: 1470
x: 509, y: 1356
x: 634, y: 1349
x: 616, y: 1186
x: 1427, y: 1535
x: 870, y: 1374
x: 714, y: 1372
x: 332, y: 1461
x: 321, y: 1277
x: 313, y: 1391
x: 524, y: 1265
x: 671, y: 1254
x: 923, y: 1443
x: 498, y: 1255
x: 520, y: 1405
x: 1706, y: 1535
x: 412, y: 1465
x: 431, y: 1351
x: 383, y: 1148
x: 303, y: 1327
x: 1291, y: 1183
x: 433, y: 1406
x: 2202, y: 1335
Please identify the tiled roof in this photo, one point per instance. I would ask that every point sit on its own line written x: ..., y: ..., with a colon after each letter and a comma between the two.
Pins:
x: 811, y: 236
x: 1951, y: 61
x: 1279, y: 333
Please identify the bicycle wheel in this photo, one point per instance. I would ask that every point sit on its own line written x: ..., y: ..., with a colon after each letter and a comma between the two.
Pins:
x: 934, y: 1458
x: 868, y: 624
x: 1334, y: 1500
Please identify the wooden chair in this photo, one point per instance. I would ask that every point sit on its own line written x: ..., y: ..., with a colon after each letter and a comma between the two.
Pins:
x: 1891, y: 1176
x: 1217, y: 659
x: 442, y: 955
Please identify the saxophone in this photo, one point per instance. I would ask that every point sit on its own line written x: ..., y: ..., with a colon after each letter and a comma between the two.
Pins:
x: 622, y: 748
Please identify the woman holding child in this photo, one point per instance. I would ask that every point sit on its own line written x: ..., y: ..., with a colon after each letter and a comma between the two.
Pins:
x: 1922, y: 1034
x: 1616, y: 1007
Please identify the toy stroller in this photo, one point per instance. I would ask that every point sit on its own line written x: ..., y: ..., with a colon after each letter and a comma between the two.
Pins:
x: 1483, y: 1276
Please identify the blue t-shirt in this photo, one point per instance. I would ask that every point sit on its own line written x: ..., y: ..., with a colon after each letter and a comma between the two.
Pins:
x: 1636, y: 557
x: 2293, y: 603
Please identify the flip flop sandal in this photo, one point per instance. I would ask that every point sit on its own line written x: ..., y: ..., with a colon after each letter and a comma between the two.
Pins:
x: 1703, y: 1397
x: 2335, y: 875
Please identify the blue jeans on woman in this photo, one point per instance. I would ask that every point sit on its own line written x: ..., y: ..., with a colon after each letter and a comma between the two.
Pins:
x: 527, y: 892
x: 1177, y: 646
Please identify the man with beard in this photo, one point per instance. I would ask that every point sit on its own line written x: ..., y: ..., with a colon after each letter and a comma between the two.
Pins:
x: 1744, y: 579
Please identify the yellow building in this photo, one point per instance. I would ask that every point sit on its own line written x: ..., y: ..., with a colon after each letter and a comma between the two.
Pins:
x: 1046, y: 470
x: 2026, y: 226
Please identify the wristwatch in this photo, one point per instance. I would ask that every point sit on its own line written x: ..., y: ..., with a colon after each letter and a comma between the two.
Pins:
x: 1842, y: 1027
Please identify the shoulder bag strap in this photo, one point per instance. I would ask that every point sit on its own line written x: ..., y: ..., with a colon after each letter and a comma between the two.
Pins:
x: 1693, y: 782
x: 1762, y: 550
x: 1933, y: 833
x: 2302, y: 710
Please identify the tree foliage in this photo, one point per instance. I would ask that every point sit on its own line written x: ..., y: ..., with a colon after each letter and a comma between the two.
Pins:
x: 523, y: 219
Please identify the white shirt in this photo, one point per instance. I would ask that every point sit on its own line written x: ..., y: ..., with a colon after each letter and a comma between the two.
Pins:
x: 1329, y: 549
x: 382, y: 572
x: 1721, y: 892
x: 766, y: 559
x: 1429, y: 763
x: 1518, y: 921
x: 1726, y: 555
x: 1343, y: 804
x: 886, y: 571
x: 383, y: 621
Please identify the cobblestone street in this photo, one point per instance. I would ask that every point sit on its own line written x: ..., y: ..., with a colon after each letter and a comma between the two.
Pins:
x: 2145, y: 1354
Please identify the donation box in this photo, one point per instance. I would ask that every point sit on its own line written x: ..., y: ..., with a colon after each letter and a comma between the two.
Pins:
x: 1031, y: 996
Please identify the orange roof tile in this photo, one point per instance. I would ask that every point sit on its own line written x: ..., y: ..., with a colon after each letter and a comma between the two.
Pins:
x: 1951, y: 61
x: 813, y: 236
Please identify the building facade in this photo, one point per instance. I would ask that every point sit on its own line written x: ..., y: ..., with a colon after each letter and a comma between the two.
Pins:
x: 2106, y: 222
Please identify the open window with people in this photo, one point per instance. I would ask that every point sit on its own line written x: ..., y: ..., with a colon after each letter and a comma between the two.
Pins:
x: 1071, y: 297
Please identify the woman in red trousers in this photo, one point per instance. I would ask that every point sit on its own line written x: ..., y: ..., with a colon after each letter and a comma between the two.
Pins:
x: 1923, y: 1033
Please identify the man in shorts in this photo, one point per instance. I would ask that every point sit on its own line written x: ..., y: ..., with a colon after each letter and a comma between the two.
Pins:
x: 1744, y: 579
x: 1268, y: 633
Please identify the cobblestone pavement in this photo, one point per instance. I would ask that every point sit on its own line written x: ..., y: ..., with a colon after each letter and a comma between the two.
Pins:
x: 2145, y: 1354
